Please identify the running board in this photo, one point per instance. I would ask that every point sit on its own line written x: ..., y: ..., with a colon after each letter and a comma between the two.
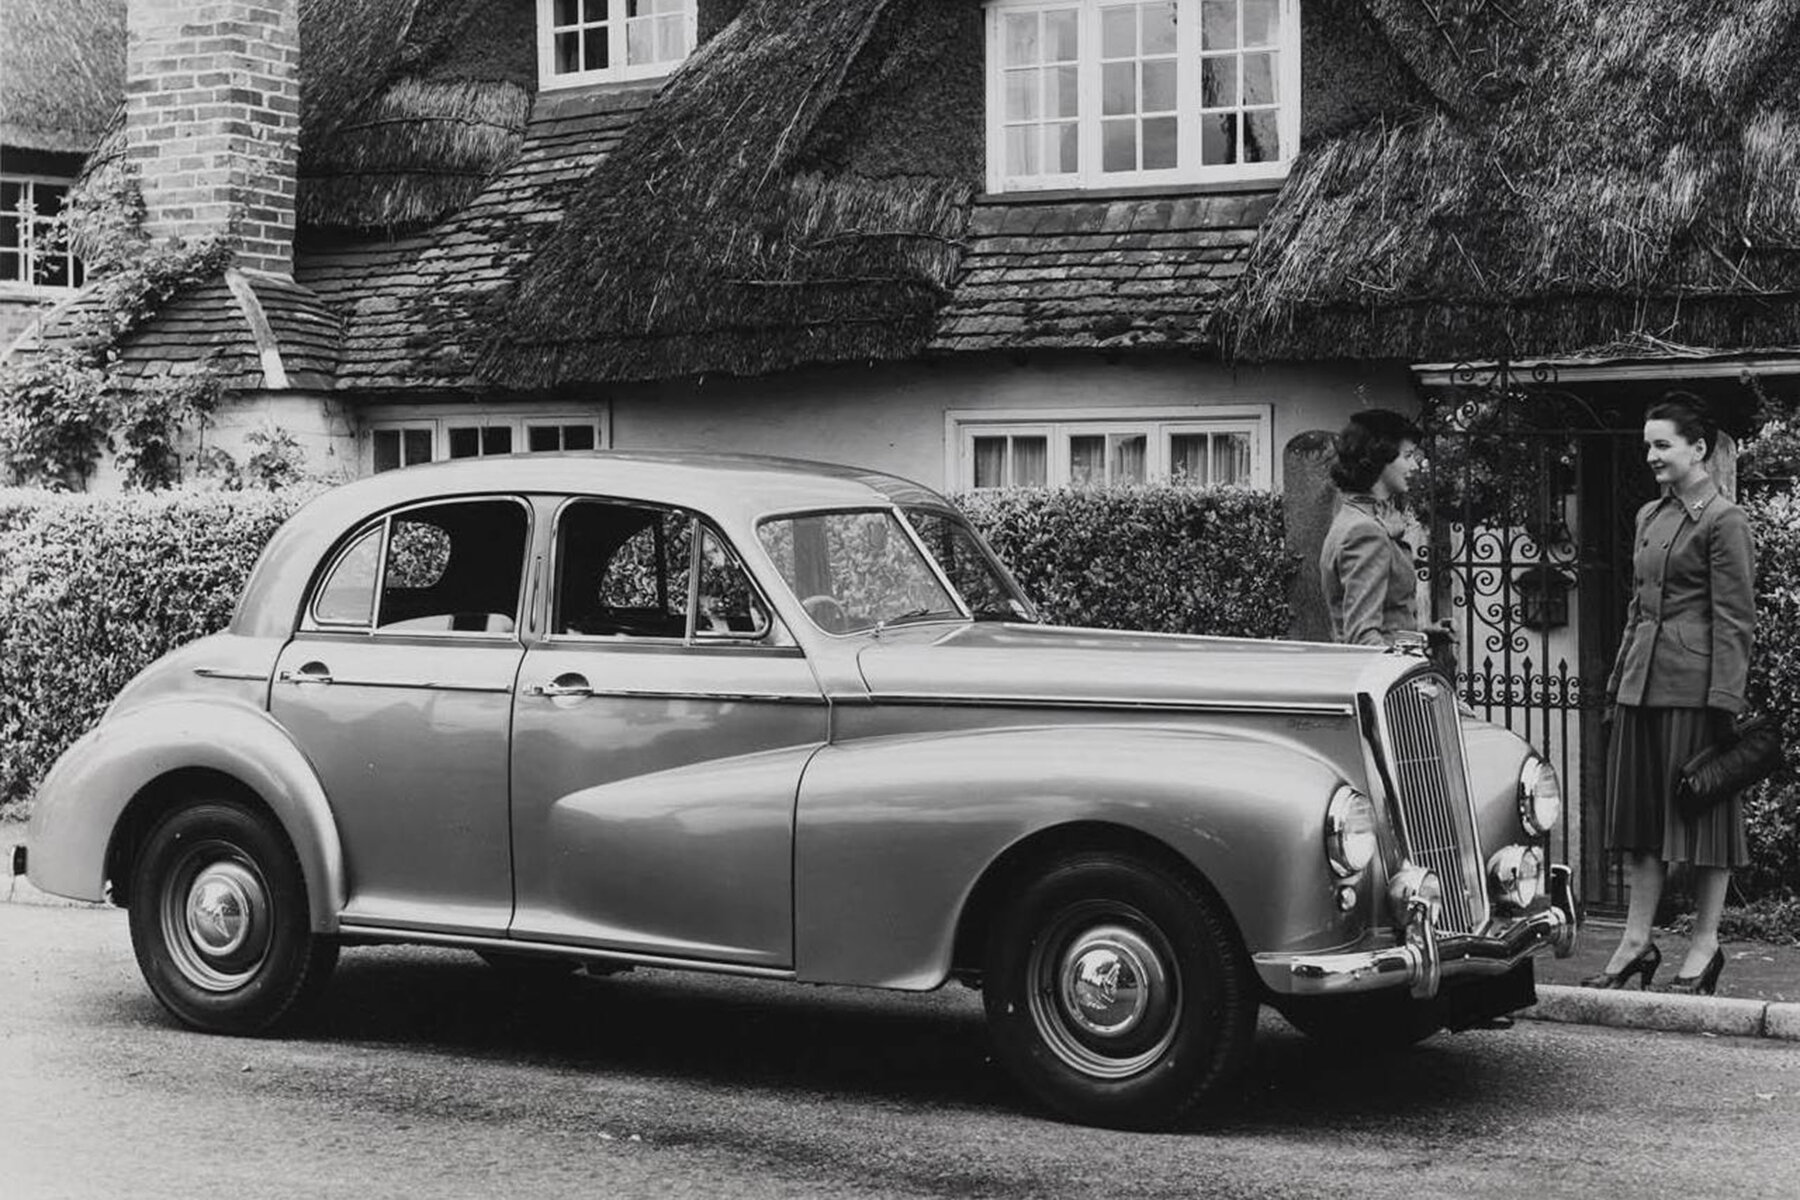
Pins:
x: 353, y: 932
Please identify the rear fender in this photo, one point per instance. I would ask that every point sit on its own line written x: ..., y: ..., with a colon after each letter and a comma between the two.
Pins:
x: 78, y: 810
x: 893, y: 835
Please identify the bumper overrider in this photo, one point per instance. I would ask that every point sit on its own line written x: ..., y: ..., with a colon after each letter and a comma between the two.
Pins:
x: 1423, y: 957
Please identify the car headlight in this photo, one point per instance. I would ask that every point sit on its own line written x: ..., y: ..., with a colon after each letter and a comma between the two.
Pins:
x: 1540, y: 797
x: 1349, y: 831
x: 1517, y: 873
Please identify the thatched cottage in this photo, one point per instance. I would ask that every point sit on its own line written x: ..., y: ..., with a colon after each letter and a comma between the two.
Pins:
x: 921, y: 234
x: 979, y: 243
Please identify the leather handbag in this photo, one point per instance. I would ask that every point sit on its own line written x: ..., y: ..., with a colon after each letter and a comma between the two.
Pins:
x: 1725, y: 768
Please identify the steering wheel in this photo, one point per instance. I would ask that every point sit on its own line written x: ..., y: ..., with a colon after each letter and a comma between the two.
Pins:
x: 827, y: 612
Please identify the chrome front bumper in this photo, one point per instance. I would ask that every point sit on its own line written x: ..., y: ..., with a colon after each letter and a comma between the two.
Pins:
x: 1424, y: 957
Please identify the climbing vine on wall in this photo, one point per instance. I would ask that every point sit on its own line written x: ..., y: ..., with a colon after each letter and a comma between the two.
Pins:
x: 65, y: 405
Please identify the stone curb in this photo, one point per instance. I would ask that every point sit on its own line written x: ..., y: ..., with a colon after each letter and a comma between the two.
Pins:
x: 1716, y: 1015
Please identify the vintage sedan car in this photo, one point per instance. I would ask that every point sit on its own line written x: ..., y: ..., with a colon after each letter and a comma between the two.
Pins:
x: 796, y: 721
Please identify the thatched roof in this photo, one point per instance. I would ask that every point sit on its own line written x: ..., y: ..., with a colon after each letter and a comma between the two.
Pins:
x: 409, y: 106
x: 731, y: 230
x: 62, y: 71
x: 1626, y: 171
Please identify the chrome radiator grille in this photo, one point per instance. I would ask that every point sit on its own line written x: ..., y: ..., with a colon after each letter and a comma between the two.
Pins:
x: 1425, y: 748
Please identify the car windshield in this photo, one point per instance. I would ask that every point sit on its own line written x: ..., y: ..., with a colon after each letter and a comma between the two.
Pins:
x: 861, y: 569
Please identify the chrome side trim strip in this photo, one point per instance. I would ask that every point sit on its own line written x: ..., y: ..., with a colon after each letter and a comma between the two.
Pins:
x: 758, y: 697
x: 1275, y: 707
x: 227, y: 673
x: 504, y: 689
x: 470, y: 941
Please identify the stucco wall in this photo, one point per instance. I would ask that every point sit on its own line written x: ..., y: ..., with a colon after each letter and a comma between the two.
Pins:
x: 892, y: 416
x: 322, y: 426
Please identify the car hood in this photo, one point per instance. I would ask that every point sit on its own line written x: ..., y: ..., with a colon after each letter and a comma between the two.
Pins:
x: 1039, y: 663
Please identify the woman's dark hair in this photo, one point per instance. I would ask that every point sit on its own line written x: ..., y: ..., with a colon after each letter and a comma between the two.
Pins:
x: 1689, y: 415
x: 1367, y: 445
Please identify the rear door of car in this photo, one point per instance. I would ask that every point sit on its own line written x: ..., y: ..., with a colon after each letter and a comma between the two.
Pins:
x: 660, y: 730
x: 398, y: 686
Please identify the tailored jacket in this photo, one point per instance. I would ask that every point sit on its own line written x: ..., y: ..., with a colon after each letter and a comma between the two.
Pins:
x: 1692, y: 614
x: 1367, y: 572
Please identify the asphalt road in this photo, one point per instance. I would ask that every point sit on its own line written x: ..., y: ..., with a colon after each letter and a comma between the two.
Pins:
x: 429, y: 1074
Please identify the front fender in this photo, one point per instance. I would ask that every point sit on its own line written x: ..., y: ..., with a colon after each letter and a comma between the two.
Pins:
x: 79, y: 806
x: 893, y: 833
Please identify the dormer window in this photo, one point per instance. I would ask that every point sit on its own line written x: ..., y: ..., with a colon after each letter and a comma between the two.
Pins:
x: 607, y: 41
x: 1105, y: 93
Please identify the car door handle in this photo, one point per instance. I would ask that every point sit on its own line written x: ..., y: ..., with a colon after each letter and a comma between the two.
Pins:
x: 563, y: 685
x: 312, y: 672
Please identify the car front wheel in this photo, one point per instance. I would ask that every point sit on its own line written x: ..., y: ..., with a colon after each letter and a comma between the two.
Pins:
x: 1117, y: 993
x: 219, y: 920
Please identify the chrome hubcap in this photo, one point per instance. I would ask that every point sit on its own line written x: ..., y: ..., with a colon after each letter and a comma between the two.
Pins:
x: 219, y: 908
x: 1104, y: 996
x: 216, y: 919
x: 1107, y: 980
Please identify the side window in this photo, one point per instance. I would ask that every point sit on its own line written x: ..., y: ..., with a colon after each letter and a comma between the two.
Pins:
x: 347, y: 596
x: 454, y: 568
x: 727, y: 605
x: 622, y: 570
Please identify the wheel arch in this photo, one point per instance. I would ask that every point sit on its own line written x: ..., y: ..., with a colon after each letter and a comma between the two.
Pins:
x: 110, y: 788
x: 155, y: 800
x: 1038, y: 852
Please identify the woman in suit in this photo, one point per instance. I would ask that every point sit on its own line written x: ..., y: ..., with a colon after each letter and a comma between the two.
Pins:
x: 1676, y: 686
x: 1366, y: 567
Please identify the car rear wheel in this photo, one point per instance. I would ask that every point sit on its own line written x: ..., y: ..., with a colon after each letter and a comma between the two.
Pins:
x: 1117, y: 993
x: 219, y: 920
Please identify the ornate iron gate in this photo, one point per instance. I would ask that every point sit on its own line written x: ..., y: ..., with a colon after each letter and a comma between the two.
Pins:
x: 1529, y: 503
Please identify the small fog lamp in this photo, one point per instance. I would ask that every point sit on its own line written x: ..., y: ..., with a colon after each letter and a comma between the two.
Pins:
x: 1517, y: 873
x: 1349, y: 831
x: 1540, y: 797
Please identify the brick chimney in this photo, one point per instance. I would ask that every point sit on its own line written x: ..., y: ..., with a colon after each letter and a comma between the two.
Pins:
x: 212, y: 121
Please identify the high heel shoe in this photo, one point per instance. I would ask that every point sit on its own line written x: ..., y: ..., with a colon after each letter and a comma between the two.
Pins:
x: 1643, y: 965
x: 1703, y: 984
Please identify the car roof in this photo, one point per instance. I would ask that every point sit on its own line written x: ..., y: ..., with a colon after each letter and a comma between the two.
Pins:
x: 738, y: 480
x: 721, y: 485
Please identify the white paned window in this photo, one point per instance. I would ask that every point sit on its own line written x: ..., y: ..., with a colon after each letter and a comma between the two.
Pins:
x: 1097, y: 93
x: 34, y: 251
x: 406, y: 437
x: 1228, y: 445
x: 599, y: 41
x: 1009, y: 458
x: 396, y: 445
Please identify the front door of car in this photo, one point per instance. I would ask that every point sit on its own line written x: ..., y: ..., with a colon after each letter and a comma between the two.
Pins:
x: 659, y: 734
x: 398, y: 686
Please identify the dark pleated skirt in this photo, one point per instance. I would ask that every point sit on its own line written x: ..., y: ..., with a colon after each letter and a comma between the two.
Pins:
x: 1648, y: 747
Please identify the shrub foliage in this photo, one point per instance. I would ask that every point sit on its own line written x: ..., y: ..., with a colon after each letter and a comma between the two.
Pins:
x: 1772, y: 808
x: 1168, y: 559
x: 92, y: 589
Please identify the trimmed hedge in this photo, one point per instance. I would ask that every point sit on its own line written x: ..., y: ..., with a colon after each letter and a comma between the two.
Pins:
x: 1167, y: 559
x: 1772, y: 809
x: 92, y: 589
